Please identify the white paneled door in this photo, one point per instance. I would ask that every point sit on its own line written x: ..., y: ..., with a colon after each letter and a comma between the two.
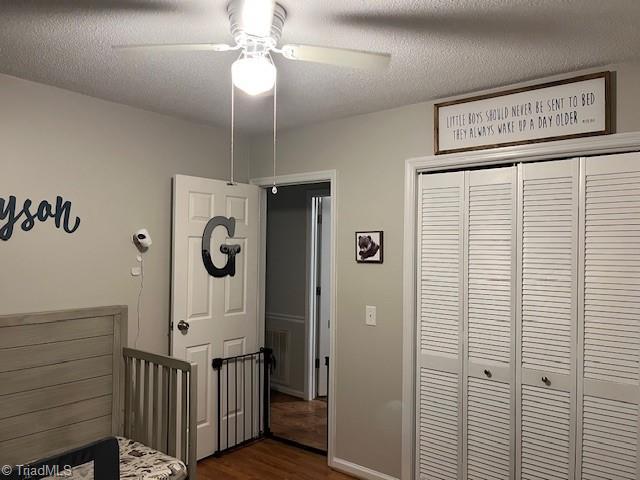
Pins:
x: 324, y: 312
x: 528, y: 322
x: 440, y: 326
x: 609, y: 319
x: 490, y: 270
x: 546, y: 319
x: 219, y: 314
x: 466, y: 325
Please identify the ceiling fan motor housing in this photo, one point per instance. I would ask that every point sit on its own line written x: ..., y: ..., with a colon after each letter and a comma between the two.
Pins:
x: 251, y: 43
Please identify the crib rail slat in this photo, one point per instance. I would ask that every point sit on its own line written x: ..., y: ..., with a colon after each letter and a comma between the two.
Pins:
x: 173, y: 412
x: 155, y: 431
x: 193, y: 428
x: 184, y: 409
x: 127, y: 397
x: 146, y: 409
x: 164, y: 418
x: 137, y: 384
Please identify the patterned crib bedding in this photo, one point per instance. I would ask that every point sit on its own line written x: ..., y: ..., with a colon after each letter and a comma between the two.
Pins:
x: 137, y: 462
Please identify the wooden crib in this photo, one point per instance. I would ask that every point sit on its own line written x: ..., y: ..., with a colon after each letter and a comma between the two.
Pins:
x: 67, y: 379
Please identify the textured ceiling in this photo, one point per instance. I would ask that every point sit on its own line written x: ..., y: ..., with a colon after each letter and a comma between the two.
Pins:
x: 440, y: 48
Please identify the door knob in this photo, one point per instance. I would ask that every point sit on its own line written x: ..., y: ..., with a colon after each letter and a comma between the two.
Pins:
x: 183, y: 326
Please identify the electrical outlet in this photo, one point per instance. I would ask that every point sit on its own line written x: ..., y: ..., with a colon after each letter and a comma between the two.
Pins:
x: 370, y: 315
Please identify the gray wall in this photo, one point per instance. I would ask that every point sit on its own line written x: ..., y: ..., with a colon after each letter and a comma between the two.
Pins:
x: 369, y: 152
x: 115, y: 164
x: 286, y: 274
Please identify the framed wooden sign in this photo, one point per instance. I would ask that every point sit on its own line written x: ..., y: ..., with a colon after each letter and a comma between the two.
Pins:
x: 572, y: 108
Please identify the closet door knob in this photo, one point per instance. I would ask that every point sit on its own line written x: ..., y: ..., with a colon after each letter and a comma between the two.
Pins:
x: 488, y: 373
x: 546, y: 380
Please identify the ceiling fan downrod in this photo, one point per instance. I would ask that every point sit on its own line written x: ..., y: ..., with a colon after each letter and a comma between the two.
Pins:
x: 233, y: 125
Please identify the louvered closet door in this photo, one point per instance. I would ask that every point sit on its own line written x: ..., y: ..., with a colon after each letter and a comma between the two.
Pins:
x: 439, y: 329
x: 546, y: 320
x: 490, y: 311
x: 609, y: 335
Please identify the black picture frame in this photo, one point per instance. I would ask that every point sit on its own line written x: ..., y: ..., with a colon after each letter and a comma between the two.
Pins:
x: 377, y: 237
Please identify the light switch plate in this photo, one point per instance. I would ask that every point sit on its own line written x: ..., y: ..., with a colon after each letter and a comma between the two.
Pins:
x: 370, y: 315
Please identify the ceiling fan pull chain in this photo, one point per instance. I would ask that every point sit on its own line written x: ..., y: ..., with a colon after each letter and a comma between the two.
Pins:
x: 274, y: 190
x: 233, y: 121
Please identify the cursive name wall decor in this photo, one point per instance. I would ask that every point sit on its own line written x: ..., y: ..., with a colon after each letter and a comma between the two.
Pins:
x: 28, y: 214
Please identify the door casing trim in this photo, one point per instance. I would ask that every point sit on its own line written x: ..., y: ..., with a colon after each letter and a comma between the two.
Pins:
x: 330, y: 176
x: 312, y: 282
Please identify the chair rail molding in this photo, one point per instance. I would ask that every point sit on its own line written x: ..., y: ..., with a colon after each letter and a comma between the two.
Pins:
x: 286, y: 317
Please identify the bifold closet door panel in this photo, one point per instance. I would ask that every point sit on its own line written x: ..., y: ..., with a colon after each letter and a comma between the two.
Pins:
x: 609, y: 312
x: 440, y: 326
x: 490, y: 271
x: 546, y: 320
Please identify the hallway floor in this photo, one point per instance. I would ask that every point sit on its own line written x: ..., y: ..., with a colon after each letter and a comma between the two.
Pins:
x: 298, y: 420
x: 268, y: 460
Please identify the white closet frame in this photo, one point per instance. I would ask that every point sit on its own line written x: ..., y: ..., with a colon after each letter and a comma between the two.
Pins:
x: 618, y: 143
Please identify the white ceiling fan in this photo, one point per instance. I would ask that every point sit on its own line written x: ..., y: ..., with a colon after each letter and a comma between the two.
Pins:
x: 256, y: 27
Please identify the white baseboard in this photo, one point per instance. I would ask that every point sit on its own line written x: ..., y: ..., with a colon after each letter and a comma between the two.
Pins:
x: 358, y: 471
x: 287, y: 390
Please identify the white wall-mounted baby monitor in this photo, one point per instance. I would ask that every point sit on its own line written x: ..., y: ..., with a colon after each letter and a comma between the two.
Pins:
x: 142, y: 239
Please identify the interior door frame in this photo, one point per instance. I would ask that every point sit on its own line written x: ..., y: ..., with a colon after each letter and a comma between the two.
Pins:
x: 590, y: 146
x: 312, y: 280
x: 326, y: 176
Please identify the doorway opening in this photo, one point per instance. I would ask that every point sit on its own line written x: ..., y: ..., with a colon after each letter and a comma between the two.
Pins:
x: 297, y: 312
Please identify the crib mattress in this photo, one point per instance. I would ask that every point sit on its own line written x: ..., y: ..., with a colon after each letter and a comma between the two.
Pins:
x: 138, y: 462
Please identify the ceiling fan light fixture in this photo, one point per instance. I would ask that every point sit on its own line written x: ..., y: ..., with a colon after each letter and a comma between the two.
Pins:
x: 253, y: 75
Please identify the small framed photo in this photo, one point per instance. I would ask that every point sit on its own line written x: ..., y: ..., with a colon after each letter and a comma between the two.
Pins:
x: 369, y: 246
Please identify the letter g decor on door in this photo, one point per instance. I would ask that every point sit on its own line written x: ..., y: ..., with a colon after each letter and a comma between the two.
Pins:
x: 230, y: 250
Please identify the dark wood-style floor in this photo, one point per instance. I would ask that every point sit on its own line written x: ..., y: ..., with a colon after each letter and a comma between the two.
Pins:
x: 298, y: 420
x: 268, y: 460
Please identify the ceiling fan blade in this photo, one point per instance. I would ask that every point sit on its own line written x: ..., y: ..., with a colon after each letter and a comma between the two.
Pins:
x: 95, y: 6
x: 337, y: 56
x: 257, y: 17
x: 178, y: 47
